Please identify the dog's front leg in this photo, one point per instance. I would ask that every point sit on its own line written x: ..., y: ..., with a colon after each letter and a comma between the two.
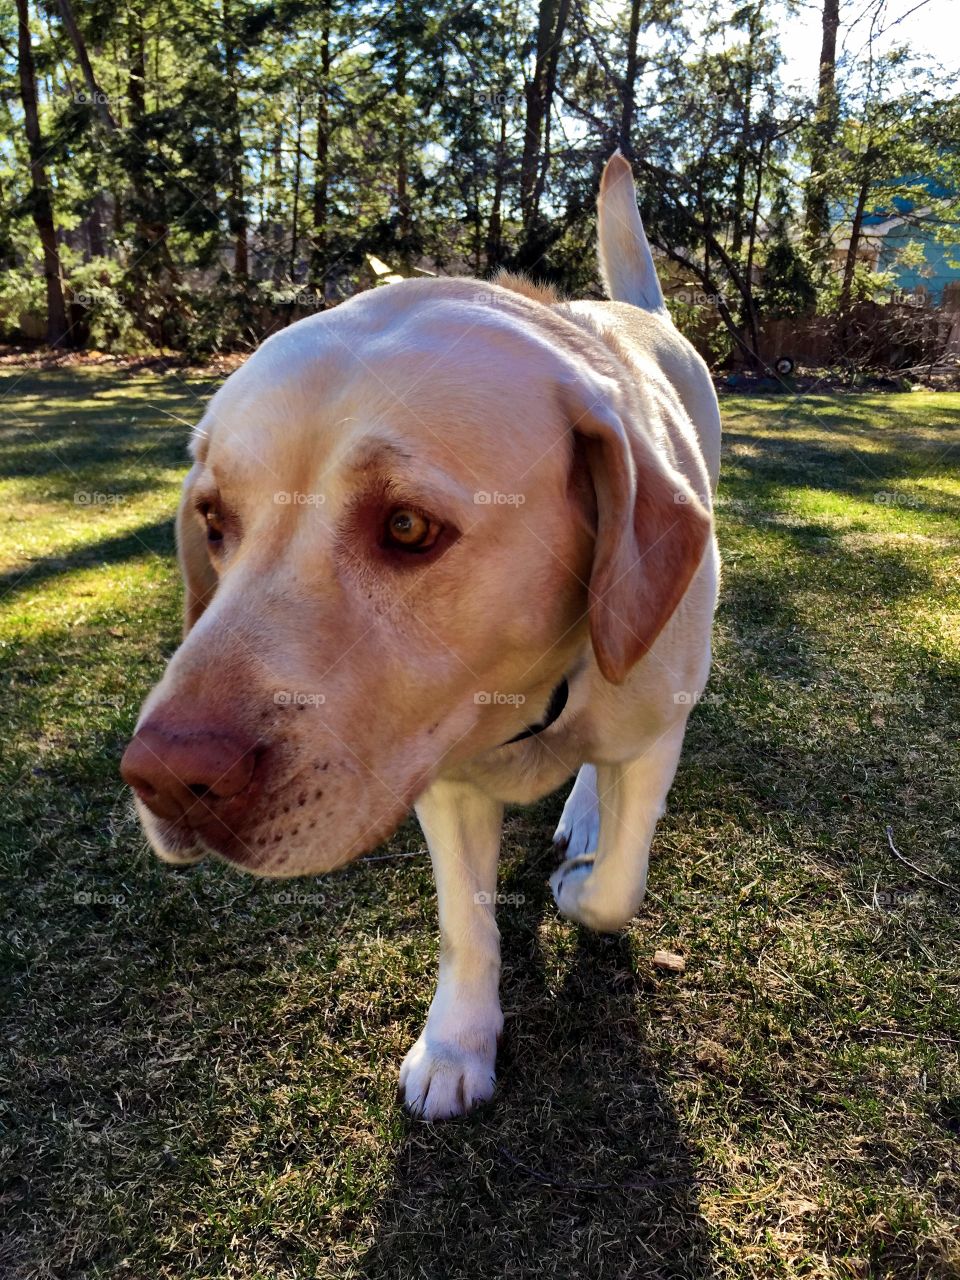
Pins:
x: 604, y: 889
x: 451, y: 1067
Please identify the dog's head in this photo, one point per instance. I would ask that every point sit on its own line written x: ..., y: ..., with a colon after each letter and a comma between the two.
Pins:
x: 402, y: 518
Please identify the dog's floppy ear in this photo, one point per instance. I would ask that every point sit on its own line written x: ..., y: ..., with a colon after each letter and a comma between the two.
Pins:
x: 199, y: 576
x: 652, y: 530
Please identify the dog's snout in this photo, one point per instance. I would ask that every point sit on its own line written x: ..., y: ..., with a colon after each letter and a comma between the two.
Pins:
x: 172, y: 769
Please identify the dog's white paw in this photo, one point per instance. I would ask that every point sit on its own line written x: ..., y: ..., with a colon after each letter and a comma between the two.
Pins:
x: 440, y: 1080
x: 578, y: 831
x: 567, y: 883
x: 575, y: 893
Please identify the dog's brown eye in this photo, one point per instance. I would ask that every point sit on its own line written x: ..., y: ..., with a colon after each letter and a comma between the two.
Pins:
x: 212, y: 519
x: 410, y: 530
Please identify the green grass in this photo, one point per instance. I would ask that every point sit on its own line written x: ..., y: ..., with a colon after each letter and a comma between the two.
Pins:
x: 199, y: 1076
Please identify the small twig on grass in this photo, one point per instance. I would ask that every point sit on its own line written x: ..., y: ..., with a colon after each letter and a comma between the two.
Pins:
x: 908, y: 1035
x: 389, y: 857
x: 927, y: 875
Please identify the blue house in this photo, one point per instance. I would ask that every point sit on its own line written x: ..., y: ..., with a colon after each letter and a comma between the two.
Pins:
x: 934, y: 281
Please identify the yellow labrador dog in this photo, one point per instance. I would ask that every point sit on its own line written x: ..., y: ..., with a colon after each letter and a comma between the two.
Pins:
x: 444, y: 546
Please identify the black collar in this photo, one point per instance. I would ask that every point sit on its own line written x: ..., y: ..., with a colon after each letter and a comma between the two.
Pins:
x: 558, y: 700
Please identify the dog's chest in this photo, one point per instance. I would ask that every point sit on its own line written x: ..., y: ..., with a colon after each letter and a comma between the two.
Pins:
x: 528, y: 770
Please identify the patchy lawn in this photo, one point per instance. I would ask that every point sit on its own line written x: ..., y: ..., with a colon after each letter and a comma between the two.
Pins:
x: 199, y: 1070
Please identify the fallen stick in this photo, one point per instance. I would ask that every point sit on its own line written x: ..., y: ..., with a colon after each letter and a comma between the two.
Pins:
x: 907, y: 1035
x: 928, y: 875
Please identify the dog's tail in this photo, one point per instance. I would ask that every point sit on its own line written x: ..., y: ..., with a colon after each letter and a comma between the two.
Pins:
x: 626, y: 263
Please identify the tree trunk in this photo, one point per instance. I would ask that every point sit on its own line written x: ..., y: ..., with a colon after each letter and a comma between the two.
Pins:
x: 551, y: 85
x: 550, y: 27
x: 297, y: 169
x: 321, y: 175
x: 137, y: 75
x: 494, y: 251
x: 236, y: 209
x: 746, y: 123
x: 400, y: 91
x: 825, y: 129
x: 96, y: 220
x: 755, y: 214
x: 752, y: 321
x: 274, y: 219
x: 41, y: 203
x: 98, y: 98
x: 628, y: 105
x: 846, y: 288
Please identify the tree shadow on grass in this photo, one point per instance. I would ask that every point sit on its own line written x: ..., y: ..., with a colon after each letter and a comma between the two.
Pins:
x: 765, y: 599
x: 154, y: 538
x: 96, y: 455
x: 841, y: 467
x: 579, y: 1166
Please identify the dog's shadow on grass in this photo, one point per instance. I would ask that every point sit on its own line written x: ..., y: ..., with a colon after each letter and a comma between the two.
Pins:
x: 579, y: 1166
